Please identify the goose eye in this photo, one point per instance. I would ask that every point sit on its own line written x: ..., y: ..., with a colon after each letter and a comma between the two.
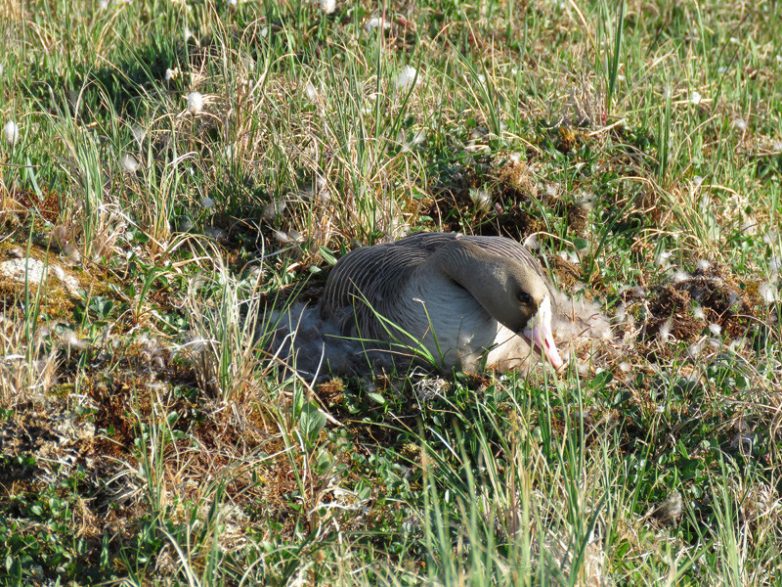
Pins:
x: 524, y: 298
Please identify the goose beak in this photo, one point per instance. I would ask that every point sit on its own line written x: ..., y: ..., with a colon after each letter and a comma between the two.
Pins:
x: 539, y: 333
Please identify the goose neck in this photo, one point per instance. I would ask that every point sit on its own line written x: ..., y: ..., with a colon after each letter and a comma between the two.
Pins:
x: 468, y: 266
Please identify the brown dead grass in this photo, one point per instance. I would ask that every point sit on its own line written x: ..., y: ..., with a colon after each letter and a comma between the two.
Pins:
x: 723, y: 300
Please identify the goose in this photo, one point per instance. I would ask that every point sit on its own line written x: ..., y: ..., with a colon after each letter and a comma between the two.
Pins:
x: 467, y: 300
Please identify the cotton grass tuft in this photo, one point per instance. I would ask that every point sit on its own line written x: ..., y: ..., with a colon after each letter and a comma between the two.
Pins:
x: 129, y: 163
x: 695, y: 349
x: 531, y: 242
x: 328, y: 6
x: 662, y: 258
x: 376, y: 22
x: 11, y: 132
x: 739, y: 124
x: 407, y: 78
x: 138, y: 133
x: 664, y: 333
x: 311, y: 92
x: 768, y: 293
x: 195, y: 103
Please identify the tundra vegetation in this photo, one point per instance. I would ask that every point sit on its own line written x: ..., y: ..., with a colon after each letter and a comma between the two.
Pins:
x: 170, y: 168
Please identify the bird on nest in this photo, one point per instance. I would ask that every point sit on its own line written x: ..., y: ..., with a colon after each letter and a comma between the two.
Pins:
x: 450, y: 300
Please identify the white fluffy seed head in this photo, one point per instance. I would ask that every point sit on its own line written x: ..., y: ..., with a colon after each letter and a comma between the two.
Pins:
x: 698, y: 313
x: 11, y: 132
x: 695, y: 97
x: 665, y: 330
x: 768, y: 293
x: 715, y: 329
x: 739, y: 124
x: 328, y: 6
x: 129, y: 163
x: 737, y: 344
x: 695, y: 349
x: 376, y: 22
x: 70, y: 340
x: 195, y: 103
x: 311, y: 92
x: 418, y: 138
x: 407, y: 77
x: 138, y: 133
x: 662, y: 258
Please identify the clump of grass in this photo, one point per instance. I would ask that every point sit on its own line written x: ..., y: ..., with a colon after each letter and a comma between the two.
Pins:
x: 224, y: 314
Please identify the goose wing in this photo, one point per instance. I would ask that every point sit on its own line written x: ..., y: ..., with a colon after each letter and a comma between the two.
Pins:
x: 370, y: 278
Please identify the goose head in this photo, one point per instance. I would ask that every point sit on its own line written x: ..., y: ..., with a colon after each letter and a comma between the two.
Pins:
x: 513, y: 293
x: 517, y: 296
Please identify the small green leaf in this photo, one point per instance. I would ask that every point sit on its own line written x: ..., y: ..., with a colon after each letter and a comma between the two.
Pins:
x: 328, y: 256
x: 311, y: 422
x: 377, y: 398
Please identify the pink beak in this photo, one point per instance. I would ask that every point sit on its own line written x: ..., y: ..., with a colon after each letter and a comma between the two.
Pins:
x: 540, y: 335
